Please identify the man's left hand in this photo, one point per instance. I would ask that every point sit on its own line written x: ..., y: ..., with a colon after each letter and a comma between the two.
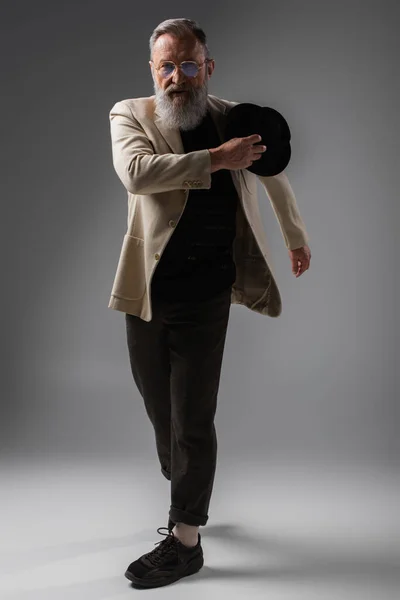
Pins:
x: 300, y: 258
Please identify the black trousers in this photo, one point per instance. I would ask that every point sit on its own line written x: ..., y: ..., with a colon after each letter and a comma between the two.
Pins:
x: 176, y: 361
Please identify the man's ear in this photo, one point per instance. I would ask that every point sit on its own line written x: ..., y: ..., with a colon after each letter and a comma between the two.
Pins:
x: 151, y: 69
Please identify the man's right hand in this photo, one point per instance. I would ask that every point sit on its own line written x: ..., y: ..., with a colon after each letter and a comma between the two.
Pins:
x: 237, y: 153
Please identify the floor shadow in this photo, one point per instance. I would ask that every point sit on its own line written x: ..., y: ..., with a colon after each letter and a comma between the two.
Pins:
x: 275, y: 558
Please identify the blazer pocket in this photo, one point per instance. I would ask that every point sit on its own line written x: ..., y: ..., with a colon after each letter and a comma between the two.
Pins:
x: 130, y: 279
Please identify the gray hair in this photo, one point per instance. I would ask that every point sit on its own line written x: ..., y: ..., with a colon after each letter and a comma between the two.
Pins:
x: 180, y: 28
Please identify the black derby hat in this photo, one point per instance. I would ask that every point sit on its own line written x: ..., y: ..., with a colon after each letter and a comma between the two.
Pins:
x: 246, y: 119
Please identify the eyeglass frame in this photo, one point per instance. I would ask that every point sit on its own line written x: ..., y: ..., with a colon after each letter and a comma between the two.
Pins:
x: 207, y: 60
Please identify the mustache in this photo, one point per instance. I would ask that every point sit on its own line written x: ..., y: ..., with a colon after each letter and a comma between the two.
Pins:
x: 171, y: 91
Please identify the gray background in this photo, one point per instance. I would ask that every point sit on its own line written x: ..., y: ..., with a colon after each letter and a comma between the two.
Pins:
x: 320, y: 383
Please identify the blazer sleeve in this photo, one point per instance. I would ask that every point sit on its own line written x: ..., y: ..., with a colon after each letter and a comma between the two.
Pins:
x: 144, y: 172
x: 283, y: 202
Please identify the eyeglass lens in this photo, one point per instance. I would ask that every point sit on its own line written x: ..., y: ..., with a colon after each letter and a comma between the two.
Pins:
x: 190, y: 69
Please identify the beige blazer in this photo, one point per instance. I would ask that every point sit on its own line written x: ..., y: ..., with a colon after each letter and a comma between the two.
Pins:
x: 157, y: 175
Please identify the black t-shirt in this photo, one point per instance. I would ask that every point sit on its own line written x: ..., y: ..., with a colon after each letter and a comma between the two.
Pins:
x: 197, y: 262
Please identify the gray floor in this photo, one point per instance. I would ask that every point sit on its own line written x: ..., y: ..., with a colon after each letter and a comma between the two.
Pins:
x: 69, y: 529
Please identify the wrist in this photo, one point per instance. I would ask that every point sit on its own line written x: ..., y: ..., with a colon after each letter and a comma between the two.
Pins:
x: 215, y: 156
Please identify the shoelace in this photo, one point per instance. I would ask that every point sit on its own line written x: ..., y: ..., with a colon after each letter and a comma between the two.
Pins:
x: 167, y: 545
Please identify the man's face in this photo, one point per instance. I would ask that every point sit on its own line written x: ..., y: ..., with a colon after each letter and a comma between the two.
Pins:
x: 186, y: 108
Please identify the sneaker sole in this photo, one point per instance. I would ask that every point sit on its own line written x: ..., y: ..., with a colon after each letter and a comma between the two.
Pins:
x: 192, y: 568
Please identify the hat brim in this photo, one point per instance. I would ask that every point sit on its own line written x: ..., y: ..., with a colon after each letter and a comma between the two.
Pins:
x: 246, y: 119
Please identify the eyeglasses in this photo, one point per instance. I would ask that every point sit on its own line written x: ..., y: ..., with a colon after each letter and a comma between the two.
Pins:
x: 189, y: 68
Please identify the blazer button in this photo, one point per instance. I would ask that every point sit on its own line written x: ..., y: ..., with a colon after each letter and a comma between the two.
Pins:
x: 157, y: 256
x: 172, y: 223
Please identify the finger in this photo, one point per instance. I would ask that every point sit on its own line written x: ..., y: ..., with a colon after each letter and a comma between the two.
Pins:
x: 253, y: 138
x: 257, y: 155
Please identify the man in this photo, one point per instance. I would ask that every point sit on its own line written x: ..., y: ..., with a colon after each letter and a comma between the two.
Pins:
x: 194, y: 246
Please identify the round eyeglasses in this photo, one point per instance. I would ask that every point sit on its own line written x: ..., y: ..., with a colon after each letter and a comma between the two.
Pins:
x: 189, y: 68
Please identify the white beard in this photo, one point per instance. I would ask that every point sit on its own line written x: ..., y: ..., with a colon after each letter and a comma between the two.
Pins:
x: 185, y: 113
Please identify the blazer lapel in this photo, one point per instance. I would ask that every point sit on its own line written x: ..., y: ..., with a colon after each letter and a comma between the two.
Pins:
x: 171, y: 136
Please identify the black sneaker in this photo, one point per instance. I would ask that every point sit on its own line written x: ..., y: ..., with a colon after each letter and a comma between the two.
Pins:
x: 167, y: 563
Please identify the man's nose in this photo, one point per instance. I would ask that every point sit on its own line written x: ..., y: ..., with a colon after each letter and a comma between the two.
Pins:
x: 178, y: 77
